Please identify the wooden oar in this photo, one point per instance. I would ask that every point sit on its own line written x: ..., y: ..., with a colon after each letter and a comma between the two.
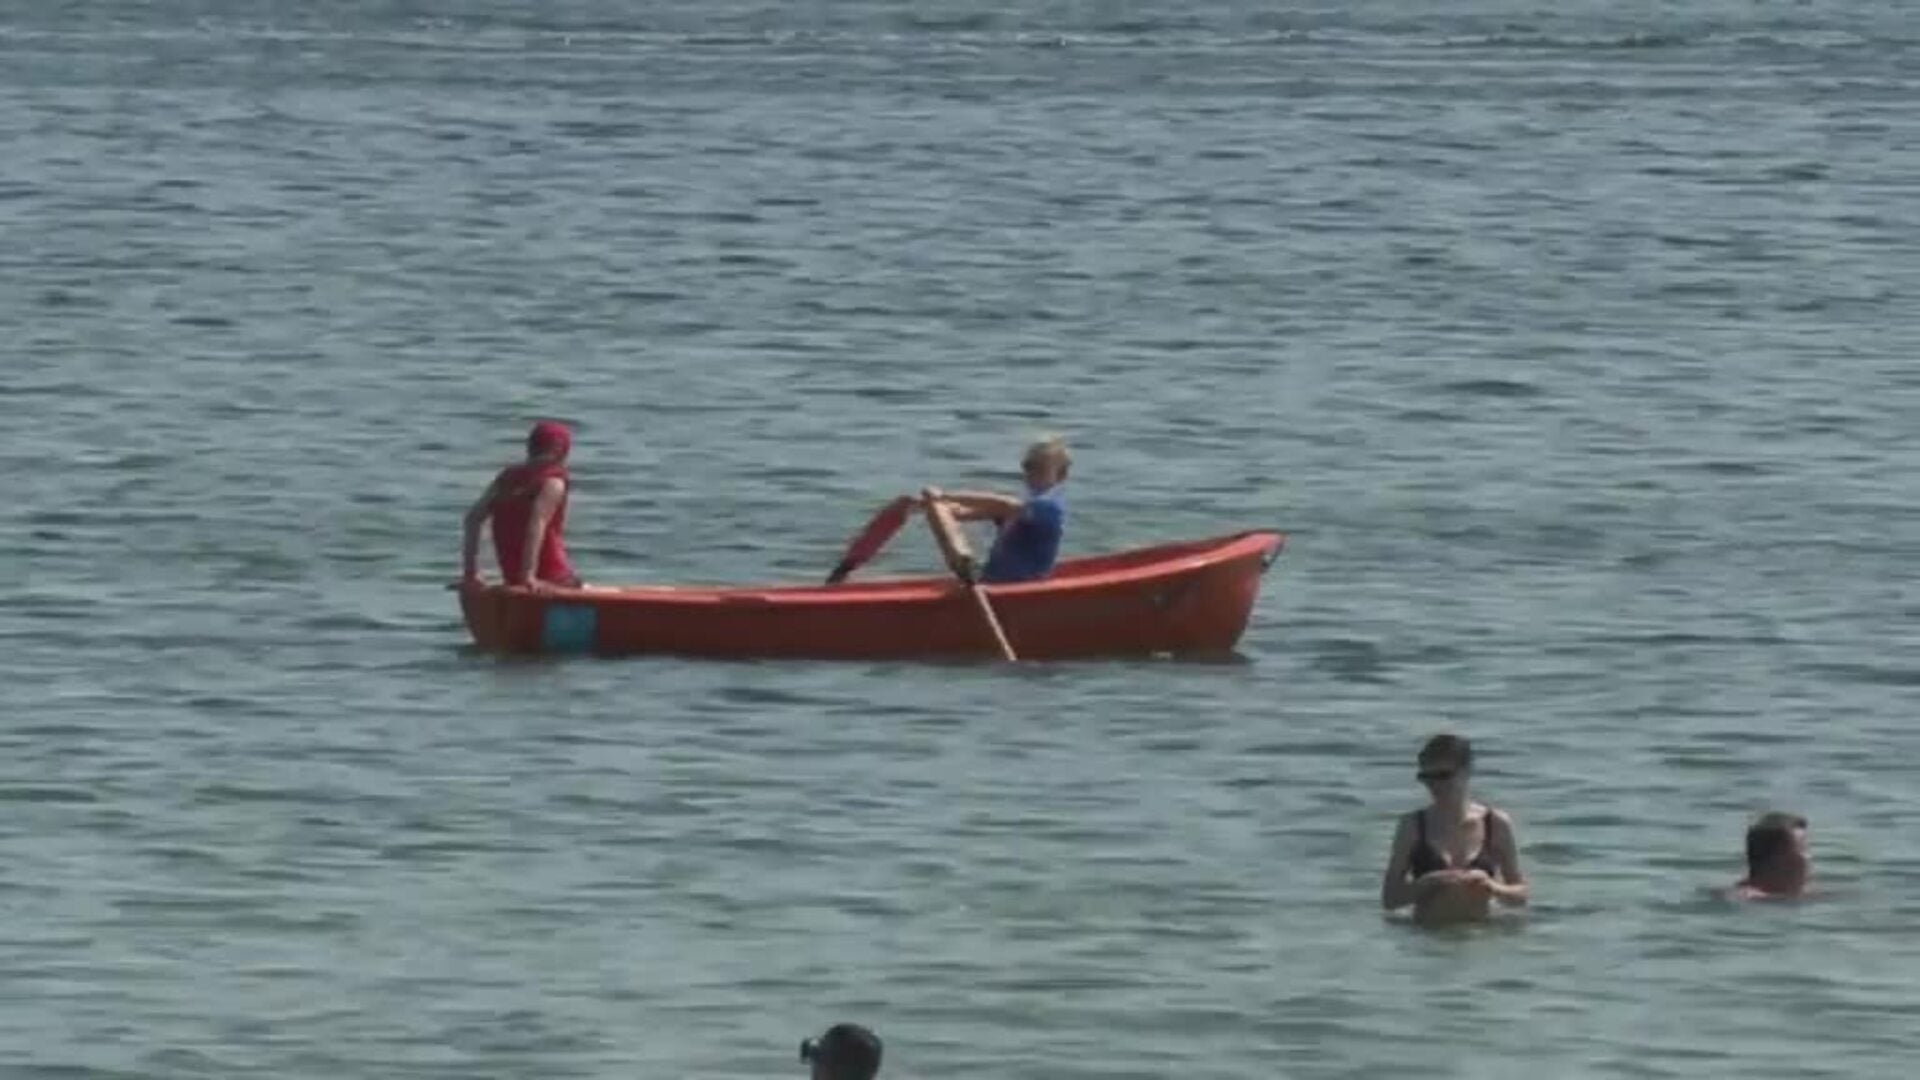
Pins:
x: 953, y: 548
x: 872, y: 538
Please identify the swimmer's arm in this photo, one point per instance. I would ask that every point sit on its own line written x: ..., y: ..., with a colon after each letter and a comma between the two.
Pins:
x: 470, y: 531
x: 1511, y: 887
x: 1395, y: 890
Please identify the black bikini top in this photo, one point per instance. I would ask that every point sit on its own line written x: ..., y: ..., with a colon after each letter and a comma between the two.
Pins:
x: 1425, y: 859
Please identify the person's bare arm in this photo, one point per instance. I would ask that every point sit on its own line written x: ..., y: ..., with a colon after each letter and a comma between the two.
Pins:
x: 980, y: 505
x: 470, y: 532
x: 1395, y: 890
x: 1512, y: 886
x: 546, y: 502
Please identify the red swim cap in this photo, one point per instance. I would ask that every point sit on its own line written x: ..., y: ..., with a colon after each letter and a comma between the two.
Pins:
x: 549, y: 438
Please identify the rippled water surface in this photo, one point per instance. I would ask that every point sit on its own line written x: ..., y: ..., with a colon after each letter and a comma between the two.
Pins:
x: 1574, y: 344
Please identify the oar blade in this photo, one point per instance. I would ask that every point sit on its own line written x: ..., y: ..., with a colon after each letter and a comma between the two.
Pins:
x: 868, y: 542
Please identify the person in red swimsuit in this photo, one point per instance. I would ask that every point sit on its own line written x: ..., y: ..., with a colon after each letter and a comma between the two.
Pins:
x: 1453, y: 858
x: 526, y: 508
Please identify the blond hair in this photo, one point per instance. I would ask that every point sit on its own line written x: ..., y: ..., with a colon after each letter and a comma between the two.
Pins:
x: 1051, y: 447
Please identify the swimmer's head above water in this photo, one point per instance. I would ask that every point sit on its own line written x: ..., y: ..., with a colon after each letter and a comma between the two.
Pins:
x: 1444, y: 765
x: 843, y: 1052
x: 1779, y: 860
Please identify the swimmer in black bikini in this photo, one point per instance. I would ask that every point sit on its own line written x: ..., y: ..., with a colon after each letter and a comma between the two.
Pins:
x: 1452, y: 859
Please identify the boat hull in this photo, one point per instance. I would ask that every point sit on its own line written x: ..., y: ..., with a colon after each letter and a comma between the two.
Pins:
x: 1190, y: 598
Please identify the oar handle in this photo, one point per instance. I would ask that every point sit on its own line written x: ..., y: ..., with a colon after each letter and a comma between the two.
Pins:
x: 954, y: 550
x: 960, y: 560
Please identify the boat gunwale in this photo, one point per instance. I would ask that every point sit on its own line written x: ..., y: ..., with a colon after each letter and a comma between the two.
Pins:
x: 1073, y: 577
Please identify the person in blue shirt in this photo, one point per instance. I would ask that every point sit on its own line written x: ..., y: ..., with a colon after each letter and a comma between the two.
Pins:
x: 1029, y: 529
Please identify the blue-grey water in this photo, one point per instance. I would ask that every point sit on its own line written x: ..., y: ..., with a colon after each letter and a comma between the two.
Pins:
x: 1574, y: 343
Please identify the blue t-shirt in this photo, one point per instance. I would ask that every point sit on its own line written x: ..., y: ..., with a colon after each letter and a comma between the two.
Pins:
x: 1027, y: 546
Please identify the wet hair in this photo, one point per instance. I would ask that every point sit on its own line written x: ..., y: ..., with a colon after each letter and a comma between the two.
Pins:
x: 1769, y: 837
x: 1448, y: 747
x: 844, y: 1052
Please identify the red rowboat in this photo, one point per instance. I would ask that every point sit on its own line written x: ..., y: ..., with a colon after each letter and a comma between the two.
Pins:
x: 1191, y: 598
